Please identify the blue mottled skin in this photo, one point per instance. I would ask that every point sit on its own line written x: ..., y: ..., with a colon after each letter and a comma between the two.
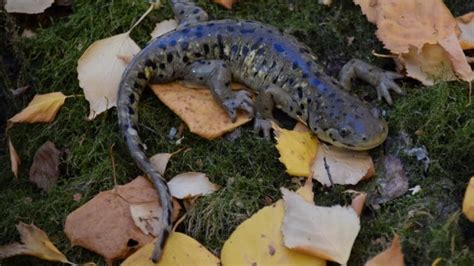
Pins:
x: 281, y: 71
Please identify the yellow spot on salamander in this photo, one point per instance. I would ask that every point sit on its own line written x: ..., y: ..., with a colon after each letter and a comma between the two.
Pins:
x: 148, y: 72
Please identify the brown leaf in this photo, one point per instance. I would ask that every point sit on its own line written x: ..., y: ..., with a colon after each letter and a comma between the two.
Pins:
x: 160, y: 161
x: 44, y: 171
x: 393, y: 181
x: 27, y: 6
x: 226, y: 3
x: 392, y: 256
x: 105, y: 225
x: 358, y: 203
x: 146, y: 216
x: 466, y: 26
x: 35, y: 243
x: 14, y: 158
x: 198, y: 109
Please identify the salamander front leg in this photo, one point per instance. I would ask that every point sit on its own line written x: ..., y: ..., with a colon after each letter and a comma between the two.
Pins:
x: 216, y: 75
x: 382, y: 80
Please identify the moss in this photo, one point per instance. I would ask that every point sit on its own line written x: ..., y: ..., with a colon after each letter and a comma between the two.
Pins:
x: 247, y: 169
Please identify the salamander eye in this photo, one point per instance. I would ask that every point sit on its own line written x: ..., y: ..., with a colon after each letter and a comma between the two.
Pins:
x: 345, y: 131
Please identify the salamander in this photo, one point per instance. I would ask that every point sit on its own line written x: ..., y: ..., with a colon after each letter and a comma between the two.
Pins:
x: 283, y: 72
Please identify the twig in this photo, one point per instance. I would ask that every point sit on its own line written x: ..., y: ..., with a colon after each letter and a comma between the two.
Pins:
x: 326, y: 166
x: 114, y: 175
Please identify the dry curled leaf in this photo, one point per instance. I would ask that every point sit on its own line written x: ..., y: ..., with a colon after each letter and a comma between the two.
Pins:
x: 43, y: 108
x: 100, y: 70
x: 468, y: 202
x: 14, y: 158
x: 358, y: 203
x: 466, y: 26
x: 180, y: 249
x: 392, y: 256
x: 297, y: 150
x: 191, y: 184
x: 105, y: 224
x: 334, y: 165
x: 44, y: 171
x: 146, y: 216
x: 407, y: 27
x: 324, y: 232
x: 163, y: 27
x: 160, y: 161
x: 35, y: 243
x: 259, y: 240
x: 198, y: 109
x: 27, y: 6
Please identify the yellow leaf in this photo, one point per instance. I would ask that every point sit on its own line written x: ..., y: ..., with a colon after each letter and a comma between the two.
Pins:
x: 198, y: 109
x: 36, y: 243
x: 43, y: 108
x: 180, y: 250
x: 297, y: 150
x: 100, y: 70
x: 259, y: 241
x: 340, y: 166
x: 468, y: 202
x: 14, y: 158
x: 466, y: 26
x: 325, y: 232
x: 392, y: 256
x: 27, y: 6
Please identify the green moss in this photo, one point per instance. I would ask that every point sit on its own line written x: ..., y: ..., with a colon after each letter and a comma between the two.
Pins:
x: 247, y: 169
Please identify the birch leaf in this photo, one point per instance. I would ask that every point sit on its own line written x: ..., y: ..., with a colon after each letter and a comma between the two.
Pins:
x: 468, y: 202
x: 35, y: 243
x: 324, y: 232
x: 27, y: 6
x: 226, y: 3
x: 163, y: 27
x: 44, y: 171
x: 100, y: 70
x: 146, y: 215
x: 392, y: 256
x: 297, y: 150
x: 259, y: 240
x: 160, y: 161
x: 43, y: 108
x: 198, y: 109
x: 180, y: 250
x: 191, y: 184
x: 340, y: 166
x: 14, y: 158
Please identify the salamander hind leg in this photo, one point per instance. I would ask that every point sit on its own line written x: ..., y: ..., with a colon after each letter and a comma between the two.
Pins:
x: 216, y: 75
x: 382, y: 80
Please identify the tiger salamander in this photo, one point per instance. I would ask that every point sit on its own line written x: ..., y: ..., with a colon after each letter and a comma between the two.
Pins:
x: 280, y: 70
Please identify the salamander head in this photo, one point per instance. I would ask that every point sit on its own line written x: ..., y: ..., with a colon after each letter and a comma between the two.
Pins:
x: 347, y: 122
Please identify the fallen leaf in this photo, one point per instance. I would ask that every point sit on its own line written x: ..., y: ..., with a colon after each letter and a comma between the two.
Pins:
x: 164, y: 27
x: 180, y: 249
x: 100, y: 71
x: 146, y: 216
x: 392, y: 256
x: 14, y: 158
x: 77, y: 197
x: 105, y: 225
x: 325, y: 2
x: 20, y: 91
x: 422, y: 23
x: 429, y: 65
x: 27, y: 6
x: 334, y: 165
x: 28, y: 34
x: 43, y: 108
x: 358, y: 203
x: 468, y: 202
x: 198, y: 109
x: 393, y: 181
x: 226, y: 3
x: 44, y: 171
x: 466, y: 26
x: 160, y: 161
x: 191, y: 184
x: 35, y: 243
x: 297, y: 150
x: 259, y: 240
x: 324, y: 232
